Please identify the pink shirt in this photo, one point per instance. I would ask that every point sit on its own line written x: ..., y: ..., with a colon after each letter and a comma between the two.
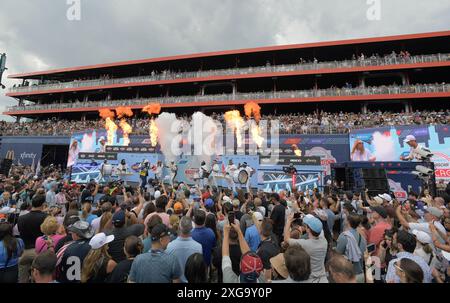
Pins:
x: 376, y: 233
x: 41, y: 244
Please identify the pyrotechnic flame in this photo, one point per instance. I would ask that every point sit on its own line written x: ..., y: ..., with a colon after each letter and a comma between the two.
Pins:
x: 123, y: 111
x: 255, y: 132
x: 153, y: 132
x: 152, y: 108
x: 235, y: 121
x: 106, y: 113
x: 126, y: 129
x: 111, y: 129
x: 297, y: 151
x: 252, y: 109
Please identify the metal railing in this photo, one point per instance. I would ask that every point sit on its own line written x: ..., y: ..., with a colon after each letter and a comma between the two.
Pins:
x: 169, y: 75
x: 330, y: 92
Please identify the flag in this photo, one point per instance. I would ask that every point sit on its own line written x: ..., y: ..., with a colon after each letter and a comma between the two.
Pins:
x: 38, y: 168
x: 32, y: 166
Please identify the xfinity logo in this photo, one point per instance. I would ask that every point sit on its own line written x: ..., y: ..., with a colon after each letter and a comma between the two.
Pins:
x: 27, y: 156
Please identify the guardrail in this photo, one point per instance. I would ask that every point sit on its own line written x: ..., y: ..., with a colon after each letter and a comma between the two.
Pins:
x: 378, y: 90
x: 167, y: 75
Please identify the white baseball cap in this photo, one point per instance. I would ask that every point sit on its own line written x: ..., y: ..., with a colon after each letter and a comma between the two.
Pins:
x: 422, y: 237
x: 101, y: 138
x: 7, y: 210
x: 386, y: 197
x: 157, y: 194
x: 258, y: 216
x: 409, y: 138
x: 99, y: 240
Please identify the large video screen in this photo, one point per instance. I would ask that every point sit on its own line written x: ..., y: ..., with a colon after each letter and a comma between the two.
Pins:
x: 387, y: 144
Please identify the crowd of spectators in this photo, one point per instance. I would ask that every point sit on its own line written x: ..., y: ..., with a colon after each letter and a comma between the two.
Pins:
x: 375, y: 59
x: 54, y: 230
x: 311, y: 123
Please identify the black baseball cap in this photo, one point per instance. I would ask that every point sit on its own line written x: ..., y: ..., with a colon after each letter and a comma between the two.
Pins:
x: 380, y: 210
x: 159, y: 231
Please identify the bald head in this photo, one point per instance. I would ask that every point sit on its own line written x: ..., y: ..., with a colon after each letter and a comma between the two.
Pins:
x: 341, y: 269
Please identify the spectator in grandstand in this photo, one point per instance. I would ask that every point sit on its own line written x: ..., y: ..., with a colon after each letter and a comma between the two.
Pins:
x: 133, y: 247
x: 184, y: 246
x: 406, y: 244
x: 98, y: 264
x: 67, y: 270
x: 157, y: 266
x: 196, y: 270
x: 29, y: 227
x: 11, y: 249
x: 50, y: 238
x: 298, y: 265
x: 315, y: 245
x: 341, y: 270
x: 43, y: 267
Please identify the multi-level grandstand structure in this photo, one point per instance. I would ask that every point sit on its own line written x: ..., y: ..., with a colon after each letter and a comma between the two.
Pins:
x: 404, y: 72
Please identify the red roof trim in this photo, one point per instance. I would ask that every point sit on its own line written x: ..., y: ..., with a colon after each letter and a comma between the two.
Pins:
x: 239, y: 51
x: 232, y: 77
x: 241, y: 102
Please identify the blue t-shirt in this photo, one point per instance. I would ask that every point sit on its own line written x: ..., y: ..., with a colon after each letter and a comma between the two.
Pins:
x: 155, y: 267
x: 14, y: 260
x: 89, y: 218
x: 252, y: 237
x: 205, y: 236
x: 147, y: 244
x: 182, y: 249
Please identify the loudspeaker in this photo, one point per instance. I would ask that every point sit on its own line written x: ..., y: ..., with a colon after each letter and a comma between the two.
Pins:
x: 5, y: 166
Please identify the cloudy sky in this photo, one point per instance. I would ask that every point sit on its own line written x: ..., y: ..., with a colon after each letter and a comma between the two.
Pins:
x: 37, y: 35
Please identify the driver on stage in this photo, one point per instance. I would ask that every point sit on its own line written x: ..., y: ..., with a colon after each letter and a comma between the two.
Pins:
x: 414, y: 147
x: 158, y: 169
x: 203, y: 174
x: 249, y: 171
x: 229, y: 172
x: 143, y: 173
x: 215, y: 172
x: 102, y: 142
x: 122, y: 168
x: 173, y: 171
x: 105, y: 174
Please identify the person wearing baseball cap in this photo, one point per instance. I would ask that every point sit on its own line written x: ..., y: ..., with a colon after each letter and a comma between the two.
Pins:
x: 251, y: 265
x: 81, y: 232
x: 431, y: 215
x: 121, y: 231
x: 414, y: 147
x: 377, y: 217
x: 156, y: 266
x: 98, y: 264
x: 315, y: 245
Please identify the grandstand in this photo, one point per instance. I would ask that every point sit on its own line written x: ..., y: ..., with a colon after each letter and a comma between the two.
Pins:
x: 399, y: 73
x: 323, y: 88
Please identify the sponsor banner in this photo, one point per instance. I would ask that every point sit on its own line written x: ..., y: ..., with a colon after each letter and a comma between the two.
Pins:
x: 286, y: 160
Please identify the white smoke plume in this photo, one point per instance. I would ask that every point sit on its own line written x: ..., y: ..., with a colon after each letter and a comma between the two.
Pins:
x: 169, y: 137
x: 202, y: 135
x: 384, y: 147
x: 87, y: 144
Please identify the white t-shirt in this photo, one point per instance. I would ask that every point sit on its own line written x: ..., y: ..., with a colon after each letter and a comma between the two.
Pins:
x: 426, y: 228
x: 365, y: 156
x: 215, y: 169
x: 230, y: 169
